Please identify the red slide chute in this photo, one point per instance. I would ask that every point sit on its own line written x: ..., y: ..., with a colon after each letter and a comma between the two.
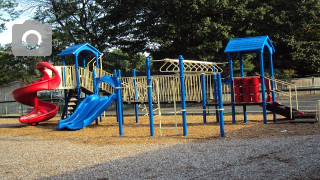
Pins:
x: 27, y: 95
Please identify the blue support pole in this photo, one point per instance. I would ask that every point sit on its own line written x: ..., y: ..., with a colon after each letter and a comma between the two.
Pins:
x: 94, y: 82
x: 115, y: 75
x: 242, y: 75
x: 119, y: 100
x: 98, y: 75
x: 215, y: 90
x: 272, y: 85
x: 204, y: 106
x: 183, y: 97
x: 77, y: 80
x: 263, y: 89
x: 97, y: 62
x: 241, y: 64
x: 231, y: 88
x: 85, y: 72
x: 65, y: 91
x: 136, y: 109
x: 94, y: 87
x: 66, y: 102
x: 121, y: 104
x: 64, y: 71
x: 149, y: 96
x: 220, y: 102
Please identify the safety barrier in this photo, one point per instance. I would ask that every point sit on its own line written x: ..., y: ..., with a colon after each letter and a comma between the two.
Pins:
x: 318, y: 110
x: 291, y: 92
x: 167, y: 89
x: 68, y: 77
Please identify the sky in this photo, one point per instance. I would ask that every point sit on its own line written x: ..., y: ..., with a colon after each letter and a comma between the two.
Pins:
x: 6, y: 36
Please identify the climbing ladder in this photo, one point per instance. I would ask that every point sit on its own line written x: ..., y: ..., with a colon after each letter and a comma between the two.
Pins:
x: 134, y: 90
x: 161, y: 118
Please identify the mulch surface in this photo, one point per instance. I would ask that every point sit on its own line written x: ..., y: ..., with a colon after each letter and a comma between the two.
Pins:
x: 107, y: 131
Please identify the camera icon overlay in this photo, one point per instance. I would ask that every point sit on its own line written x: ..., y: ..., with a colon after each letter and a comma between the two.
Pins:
x: 32, y: 38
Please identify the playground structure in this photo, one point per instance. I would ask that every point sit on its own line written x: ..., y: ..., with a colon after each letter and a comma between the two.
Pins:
x: 258, y: 45
x: 191, y: 81
x: 28, y: 95
x: 135, y: 90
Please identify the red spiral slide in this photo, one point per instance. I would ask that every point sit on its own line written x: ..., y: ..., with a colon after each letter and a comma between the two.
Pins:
x: 27, y: 95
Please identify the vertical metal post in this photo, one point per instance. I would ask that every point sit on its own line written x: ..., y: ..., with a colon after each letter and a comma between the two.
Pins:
x: 231, y: 88
x: 149, y: 96
x: 215, y: 90
x: 204, y: 106
x: 94, y: 82
x: 66, y: 102
x: 116, y: 91
x: 119, y: 101
x: 136, y: 109
x: 183, y: 97
x: 77, y: 79
x: 85, y: 73
x: 272, y: 84
x: 97, y: 65
x: 94, y: 86
x: 121, y: 104
x: 65, y: 85
x: 241, y: 64
x: 318, y: 110
x: 244, y: 107
x: 220, y: 102
x: 263, y: 89
x: 5, y: 104
x: 64, y: 71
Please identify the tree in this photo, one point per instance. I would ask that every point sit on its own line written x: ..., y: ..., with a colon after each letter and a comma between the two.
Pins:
x: 117, y: 59
x: 13, y: 68
x: 197, y: 29
x: 7, y: 12
x: 294, y: 28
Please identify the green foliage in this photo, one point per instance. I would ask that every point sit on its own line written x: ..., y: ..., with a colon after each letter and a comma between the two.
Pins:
x: 285, y: 74
x: 197, y: 29
x: 7, y: 13
x: 14, y: 68
x: 117, y: 59
x: 248, y: 66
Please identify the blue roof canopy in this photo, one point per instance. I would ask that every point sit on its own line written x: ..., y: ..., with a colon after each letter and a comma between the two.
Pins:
x: 250, y: 45
x: 83, y: 50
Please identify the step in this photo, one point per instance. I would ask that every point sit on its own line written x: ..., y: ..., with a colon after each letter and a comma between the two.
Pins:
x: 73, y: 99
x: 70, y: 113
x: 168, y: 128
x: 211, y: 100
x: 305, y: 116
x: 304, y: 120
x: 72, y: 103
x: 71, y: 108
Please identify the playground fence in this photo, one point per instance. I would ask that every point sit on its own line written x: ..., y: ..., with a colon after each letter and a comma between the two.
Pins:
x: 308, y: 92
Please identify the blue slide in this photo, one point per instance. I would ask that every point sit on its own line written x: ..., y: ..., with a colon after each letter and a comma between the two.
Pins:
x: 88, y: 110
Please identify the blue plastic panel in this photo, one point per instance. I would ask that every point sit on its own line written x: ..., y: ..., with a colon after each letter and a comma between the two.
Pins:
x: 250, y: 45
x: 84, y: 49
x: 89, y: 110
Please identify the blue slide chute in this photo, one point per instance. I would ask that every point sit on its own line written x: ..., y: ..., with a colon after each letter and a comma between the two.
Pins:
x: 88, y: 110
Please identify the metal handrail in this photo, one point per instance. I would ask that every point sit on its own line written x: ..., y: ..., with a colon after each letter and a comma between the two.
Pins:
x: 289, y: 87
